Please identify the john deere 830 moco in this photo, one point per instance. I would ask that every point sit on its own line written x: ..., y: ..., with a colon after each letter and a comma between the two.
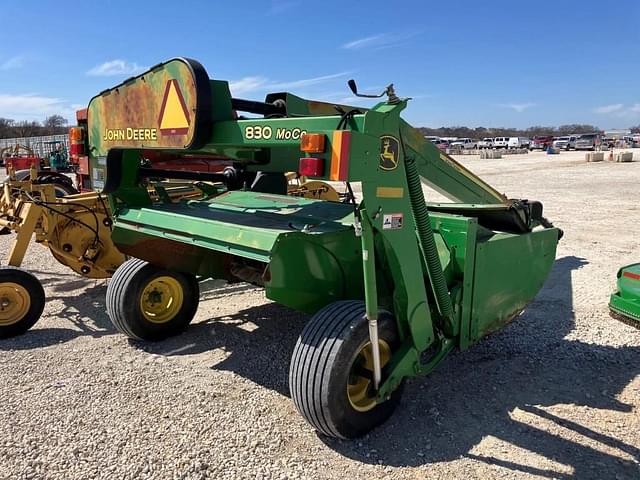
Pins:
x: 393, y: 284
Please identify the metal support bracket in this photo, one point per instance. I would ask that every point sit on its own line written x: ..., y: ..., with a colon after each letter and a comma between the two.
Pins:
x: 371, y: 293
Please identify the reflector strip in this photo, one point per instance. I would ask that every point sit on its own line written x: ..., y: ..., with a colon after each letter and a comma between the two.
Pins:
x: 340, y: 155
x: 389, y: 192
x: 632, y: 275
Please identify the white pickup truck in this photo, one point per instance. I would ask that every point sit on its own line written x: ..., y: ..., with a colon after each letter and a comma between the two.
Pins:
x: 501, y: 142
x: 464, y: 143
x: 485, y: 143
x: 518, y: 142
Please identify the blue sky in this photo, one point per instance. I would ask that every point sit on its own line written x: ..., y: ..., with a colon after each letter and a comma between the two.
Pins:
x: 492, y: 63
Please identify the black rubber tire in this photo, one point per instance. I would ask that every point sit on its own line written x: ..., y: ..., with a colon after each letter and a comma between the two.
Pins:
x: 36, y: 294
x: 321, y: 364
x: 62, y: 189
x: 123, y: 301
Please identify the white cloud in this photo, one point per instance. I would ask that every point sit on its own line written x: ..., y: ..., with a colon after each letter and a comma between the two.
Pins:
x: 620, y: 110
x: 259, y: 83
x: 365, y: 42
x: 33, y: 107
x: 309, y: 81
x: 116, y: 67
x: 12, y: 63
x: 615, y: 107
x: 247, y: 84
x: 379, y: 40
x: 518, y: 107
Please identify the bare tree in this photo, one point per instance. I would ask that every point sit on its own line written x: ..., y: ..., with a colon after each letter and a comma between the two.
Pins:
x: 5, y: 127
x: 55, y: 124
x: 27, y: 129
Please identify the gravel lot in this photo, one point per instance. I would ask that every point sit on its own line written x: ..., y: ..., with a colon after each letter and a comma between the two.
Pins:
x: 554, y: 395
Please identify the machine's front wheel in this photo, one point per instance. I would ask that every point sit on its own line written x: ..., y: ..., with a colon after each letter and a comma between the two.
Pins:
x: 331, y: 371
x: 149, y: 303
x: 21, y: 301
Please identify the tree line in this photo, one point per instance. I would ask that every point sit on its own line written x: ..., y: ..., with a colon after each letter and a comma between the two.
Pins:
x: 53, y: 125
x: 56, y: 124
x: 482, y: 132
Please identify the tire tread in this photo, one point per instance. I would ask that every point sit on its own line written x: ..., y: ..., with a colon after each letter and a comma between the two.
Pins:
x: 313, y: 357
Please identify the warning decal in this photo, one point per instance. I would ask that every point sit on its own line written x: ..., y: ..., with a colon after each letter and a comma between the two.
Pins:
x: 174, y: 115
x: 392, y: 221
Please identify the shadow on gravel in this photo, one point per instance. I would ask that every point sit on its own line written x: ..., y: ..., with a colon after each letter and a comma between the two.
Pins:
x: 86, y: 312
x: 500, y: 388
x: 255, y: 343
x: 39, y: 337
x: 515, y: 373
x: 89, y: 305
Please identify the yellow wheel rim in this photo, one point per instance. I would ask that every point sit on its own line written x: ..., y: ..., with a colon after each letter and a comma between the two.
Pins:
x: 15, y: 302
x: 361, y: 397
x: 161, y: 299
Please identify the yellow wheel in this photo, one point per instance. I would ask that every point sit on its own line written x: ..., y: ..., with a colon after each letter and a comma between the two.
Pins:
x: 15, y: 302
x: 147, y: 302
x: 360, y: 389
x: 161, y: 299
x: 21, y: 301
x: 331, y: 373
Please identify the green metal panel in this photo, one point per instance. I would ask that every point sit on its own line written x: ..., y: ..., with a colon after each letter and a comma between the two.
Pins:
x: 307, y: 272
x: 245, y: 224
x: 458, y: 234
x: 626, y: 300
x: 444, y: 174
x: 509, y: 272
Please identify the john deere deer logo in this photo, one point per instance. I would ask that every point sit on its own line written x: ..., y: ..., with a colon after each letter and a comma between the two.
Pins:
x: 389, y: 152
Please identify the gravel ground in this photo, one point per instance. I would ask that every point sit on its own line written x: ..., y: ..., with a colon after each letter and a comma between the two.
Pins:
x: 554, y: 395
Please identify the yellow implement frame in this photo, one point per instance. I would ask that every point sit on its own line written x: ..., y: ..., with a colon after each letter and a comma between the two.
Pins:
x: 76, y: 228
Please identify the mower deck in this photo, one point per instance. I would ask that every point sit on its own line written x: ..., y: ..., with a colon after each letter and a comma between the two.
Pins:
x: 241, y: 223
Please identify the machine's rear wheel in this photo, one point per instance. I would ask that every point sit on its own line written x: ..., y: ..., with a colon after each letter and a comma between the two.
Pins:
x: 62, y: 189
x: 149, y: 303
x: 21, y: 301
x: 331, y: 371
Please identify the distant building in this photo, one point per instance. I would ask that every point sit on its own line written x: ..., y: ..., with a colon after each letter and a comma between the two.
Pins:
x: 617, y: 133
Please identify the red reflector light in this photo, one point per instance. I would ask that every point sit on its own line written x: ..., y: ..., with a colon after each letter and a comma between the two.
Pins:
x: 311, y: 167
x: 76, y: 149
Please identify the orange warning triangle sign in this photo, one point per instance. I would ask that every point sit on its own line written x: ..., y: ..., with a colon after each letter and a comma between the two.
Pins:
x: 174, y: 116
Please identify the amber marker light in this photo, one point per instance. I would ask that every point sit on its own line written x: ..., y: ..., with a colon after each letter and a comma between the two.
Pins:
x: 312, y: 142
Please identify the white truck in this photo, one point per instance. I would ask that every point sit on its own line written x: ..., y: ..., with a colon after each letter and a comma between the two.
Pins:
x: 464, y: 144
x: 518, y: 142
x: 566, y: 142
x: 501, y: 142
x: 485, y: 143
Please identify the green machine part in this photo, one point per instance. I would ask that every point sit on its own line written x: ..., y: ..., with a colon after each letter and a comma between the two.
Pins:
x: 624, y: 304
x: 449, y: 273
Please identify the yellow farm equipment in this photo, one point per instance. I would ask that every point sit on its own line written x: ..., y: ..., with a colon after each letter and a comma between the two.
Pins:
x: 77, y: 230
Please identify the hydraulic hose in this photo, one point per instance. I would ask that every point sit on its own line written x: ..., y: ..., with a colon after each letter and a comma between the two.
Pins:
x: 425, y: 234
